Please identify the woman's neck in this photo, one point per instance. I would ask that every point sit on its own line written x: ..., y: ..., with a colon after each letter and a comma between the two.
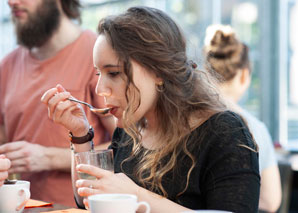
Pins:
x: 150, y: 139
x: 151, y: 132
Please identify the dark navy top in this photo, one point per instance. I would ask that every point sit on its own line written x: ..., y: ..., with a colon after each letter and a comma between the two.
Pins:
x: 226, y: 174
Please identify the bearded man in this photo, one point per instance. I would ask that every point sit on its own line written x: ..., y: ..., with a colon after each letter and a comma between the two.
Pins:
x: 52, y: 49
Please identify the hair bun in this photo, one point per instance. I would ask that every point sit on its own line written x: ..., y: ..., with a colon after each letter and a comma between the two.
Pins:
x: 224, y: 53
x: 221, y: 42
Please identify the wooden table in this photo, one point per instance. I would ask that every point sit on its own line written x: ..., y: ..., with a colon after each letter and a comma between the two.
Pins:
x: 45, y: 209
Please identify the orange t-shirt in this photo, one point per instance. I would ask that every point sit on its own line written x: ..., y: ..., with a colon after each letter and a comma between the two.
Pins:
x: 23, y: 80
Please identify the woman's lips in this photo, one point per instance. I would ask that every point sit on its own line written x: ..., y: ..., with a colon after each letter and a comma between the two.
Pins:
x: 114, y: 110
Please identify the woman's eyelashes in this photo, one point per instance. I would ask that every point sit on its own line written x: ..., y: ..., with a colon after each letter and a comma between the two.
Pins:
x: 113, y: 73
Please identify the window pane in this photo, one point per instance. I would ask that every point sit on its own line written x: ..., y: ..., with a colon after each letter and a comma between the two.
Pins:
x: 293, y: 73
x: 243, y: 17
x: 7, y: 41
x: 193, y: 17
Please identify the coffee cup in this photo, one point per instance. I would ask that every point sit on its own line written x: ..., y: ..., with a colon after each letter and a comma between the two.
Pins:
x: 115, y: 203
x: 206, y: 211
x: 13, y: 197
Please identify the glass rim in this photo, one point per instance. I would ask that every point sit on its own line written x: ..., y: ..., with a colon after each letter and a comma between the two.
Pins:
x: 94, y: 151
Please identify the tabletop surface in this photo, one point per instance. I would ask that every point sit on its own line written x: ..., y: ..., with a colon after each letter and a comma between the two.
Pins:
x: 45, y: 209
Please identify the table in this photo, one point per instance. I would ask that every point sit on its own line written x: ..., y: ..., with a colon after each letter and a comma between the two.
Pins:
x: 294, y: 162
x: 45, y: 209
x: 287, y: 157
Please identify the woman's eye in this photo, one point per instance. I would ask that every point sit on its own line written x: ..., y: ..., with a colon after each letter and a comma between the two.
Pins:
x: 114, y: 74
x: 98, y: 73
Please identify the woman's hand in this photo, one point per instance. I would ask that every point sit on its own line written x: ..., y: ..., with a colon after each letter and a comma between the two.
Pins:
x: 71, y: 115
x: 107, y: 182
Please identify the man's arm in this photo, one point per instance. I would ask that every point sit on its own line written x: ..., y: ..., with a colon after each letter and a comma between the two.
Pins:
x: 2, y: 134
x: 28, y: 157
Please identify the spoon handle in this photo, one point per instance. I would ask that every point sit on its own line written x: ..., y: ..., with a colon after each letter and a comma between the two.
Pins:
x: 93, y: 109
x: 81, y: 102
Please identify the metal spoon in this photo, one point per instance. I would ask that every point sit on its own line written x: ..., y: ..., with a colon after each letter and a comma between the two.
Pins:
x: 93, y: 109
x: 7, y: 181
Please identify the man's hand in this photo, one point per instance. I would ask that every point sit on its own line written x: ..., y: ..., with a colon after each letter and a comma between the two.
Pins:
x: 26, y: 157
x: 4, y: 166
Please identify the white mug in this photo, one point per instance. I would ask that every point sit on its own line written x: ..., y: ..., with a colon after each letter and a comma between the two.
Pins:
x: 206, y: 211
x: 13, y: 197
x: 115, y: 203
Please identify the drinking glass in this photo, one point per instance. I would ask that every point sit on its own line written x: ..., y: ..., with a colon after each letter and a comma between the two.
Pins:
x: 100, y: 158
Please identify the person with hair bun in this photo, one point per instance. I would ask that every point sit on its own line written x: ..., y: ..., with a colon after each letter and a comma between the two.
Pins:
x: 228, y: 59
x: 176, y: 146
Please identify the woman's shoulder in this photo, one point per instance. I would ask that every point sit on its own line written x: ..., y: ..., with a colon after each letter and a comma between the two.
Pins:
x: 225, y: 119
x: 118, y: 132
x: 117, y: 140
x: 225, y: 128
x: 118, y: 135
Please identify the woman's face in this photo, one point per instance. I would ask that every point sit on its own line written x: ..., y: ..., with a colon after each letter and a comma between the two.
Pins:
x: 111, y: 83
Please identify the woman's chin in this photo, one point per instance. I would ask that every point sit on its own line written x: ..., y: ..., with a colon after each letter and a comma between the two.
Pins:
x: 119, y: 123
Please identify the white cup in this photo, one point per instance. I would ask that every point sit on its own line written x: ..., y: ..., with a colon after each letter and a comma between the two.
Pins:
x: 13, y: 197
x: 206, y: 211
x: 115, y: 203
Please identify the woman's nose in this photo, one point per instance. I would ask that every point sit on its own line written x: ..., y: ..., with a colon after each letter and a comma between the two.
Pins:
x: 102, y: 88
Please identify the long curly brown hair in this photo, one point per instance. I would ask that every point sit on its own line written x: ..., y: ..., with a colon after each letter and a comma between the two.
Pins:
x: 152, y: 39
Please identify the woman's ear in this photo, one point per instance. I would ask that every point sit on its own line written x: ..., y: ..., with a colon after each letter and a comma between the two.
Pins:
x: 158, y: 81
x: 245, y: 77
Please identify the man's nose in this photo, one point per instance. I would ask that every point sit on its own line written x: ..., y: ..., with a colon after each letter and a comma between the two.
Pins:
x: 13, y: 2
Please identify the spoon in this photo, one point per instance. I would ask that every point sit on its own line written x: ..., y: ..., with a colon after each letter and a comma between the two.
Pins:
x: 92, y: 108
x: 7, y: 181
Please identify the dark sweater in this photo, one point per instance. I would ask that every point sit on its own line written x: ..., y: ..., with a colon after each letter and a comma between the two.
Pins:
x: 226, y: 175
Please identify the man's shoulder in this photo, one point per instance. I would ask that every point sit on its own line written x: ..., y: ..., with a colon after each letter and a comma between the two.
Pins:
x: 89, y: 35
x: 85, y: 41
x: 12, y: 56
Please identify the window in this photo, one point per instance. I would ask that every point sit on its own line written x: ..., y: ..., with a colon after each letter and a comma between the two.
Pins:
x: 290, y: 61
x: 243, y: 17
x: 7, y: 41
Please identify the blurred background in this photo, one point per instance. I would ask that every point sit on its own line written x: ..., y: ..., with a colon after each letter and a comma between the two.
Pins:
x: 268, y: 27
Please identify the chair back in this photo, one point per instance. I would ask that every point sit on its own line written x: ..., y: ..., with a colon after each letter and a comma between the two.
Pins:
x: 286, y: 176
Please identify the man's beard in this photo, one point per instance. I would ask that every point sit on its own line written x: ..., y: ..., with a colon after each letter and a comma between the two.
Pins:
x: 40, y: 25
